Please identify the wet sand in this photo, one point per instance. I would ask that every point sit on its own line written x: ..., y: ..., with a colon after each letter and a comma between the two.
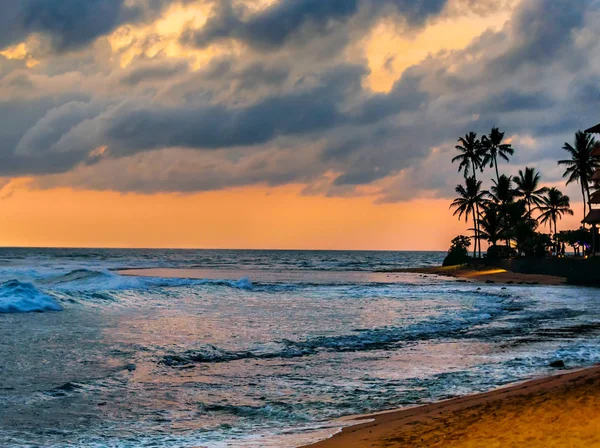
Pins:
x: 486, y: 274
x: 555, y: 411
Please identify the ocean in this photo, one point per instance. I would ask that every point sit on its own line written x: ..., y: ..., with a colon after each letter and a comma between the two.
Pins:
x: 263, y: 348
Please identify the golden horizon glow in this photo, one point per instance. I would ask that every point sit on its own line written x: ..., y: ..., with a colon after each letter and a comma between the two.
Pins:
x: 244, y: 218
x: 238, y: 218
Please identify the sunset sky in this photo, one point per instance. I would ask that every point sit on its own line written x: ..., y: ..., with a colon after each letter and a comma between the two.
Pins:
x: 323, y: 124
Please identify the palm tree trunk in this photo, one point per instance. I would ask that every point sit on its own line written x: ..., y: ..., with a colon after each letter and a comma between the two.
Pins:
x: 476, y: 219
x: 477, y: 239
x: 475, y: 230
x: 589, y: 198
x: 584, y: 201
x: 496, y: 166
x: 555, y: 242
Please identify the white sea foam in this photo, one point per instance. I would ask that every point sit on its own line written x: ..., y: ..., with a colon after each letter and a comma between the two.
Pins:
x: 85, y: 280
x: 22, y: 297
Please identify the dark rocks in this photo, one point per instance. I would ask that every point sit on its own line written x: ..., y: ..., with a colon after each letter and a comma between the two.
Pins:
x: 558, y: 364
x: 490, y: 281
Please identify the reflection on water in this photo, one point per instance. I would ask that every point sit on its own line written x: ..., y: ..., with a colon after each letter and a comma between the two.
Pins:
x: 134, y: 361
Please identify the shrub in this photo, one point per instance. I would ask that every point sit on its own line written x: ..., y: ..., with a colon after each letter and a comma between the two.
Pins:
x: 458, y: 252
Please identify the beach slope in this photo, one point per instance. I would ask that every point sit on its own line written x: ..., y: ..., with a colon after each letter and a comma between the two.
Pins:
x: 486, y: 274
x: 556, y: 411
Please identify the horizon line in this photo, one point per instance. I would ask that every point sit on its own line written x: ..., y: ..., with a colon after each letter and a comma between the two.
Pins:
x: 215, y: 248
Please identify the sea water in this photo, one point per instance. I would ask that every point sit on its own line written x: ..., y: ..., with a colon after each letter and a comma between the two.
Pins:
x: 266, y: 348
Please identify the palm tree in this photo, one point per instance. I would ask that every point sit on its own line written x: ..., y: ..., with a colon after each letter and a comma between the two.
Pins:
x: 470, y: 154
x: 553, y: 206
x: 581, y: 165
x: 470, y: 160
x: 527, y: 187
x: 493, y: 148
x: 491, y: 225
x: 467, y: 203
x: 502, y: 192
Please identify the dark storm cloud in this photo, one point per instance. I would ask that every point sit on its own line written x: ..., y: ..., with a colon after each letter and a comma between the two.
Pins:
x: 542, y: 31
x: 301, y: 122
x: 24, y: 116
x: 277, y: 24
x: 133, y: 127
x: 69, y: 23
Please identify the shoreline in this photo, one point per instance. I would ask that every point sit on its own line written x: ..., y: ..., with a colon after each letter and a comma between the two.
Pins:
x: 555, y: 410
x: 533, y: 413
x: 470, y: 273
x: 486, y: 274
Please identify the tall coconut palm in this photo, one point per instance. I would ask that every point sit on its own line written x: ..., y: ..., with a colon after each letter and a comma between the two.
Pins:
x: 528, y: 187
x: 581, y: 165
x: 470, y: 161
x: 493, y: 147
x: 470, y: 154
x: 470, y: 197
x: 502, y: 191
x: 553, y: 206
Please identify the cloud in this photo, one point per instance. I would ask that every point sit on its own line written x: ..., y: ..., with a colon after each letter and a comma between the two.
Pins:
x: 158, y: 70
x: 276, y: 117
x: 70, y: 24
x: 284, y: 21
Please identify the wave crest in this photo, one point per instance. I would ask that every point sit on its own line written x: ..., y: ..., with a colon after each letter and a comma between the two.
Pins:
x: 22, y: 297
x: 85, y: 280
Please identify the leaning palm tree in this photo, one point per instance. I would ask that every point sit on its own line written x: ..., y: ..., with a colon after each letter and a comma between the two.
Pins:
x: 553, y: 206
x: 502, y: 191
x: 470, y: 197
x: 470, y: 154
x: 528, y: 187
x: 581, y: 165
x: 492, y: 148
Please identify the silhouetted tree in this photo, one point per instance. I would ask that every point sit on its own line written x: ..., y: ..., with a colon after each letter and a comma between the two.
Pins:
x: 467, y: 203
x: 502, y: 191
x: 553, y: 206
x: 528, y: 187
x: 491, y: 225
x: 514, y: 214
x: 470, y: 155
x: 581, y: 165
x: 470, y: 160
x: 457, y: 254
x: 493, y: 147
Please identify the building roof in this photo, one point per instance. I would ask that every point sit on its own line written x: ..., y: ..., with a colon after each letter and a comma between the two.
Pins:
x: 593, y: 217
x: 596, y: 175
x: 595, y: 197
x: 594, y: 129
x: 596, y: 150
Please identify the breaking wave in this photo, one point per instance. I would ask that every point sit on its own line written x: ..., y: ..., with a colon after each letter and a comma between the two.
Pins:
x: 85, y: 280
x: 22, y: 297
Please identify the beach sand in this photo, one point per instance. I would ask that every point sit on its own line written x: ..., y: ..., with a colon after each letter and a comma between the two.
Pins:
x: 490, y: 275
x: 556, y: 411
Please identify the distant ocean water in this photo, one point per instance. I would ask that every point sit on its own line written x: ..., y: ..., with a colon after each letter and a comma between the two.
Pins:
x: 265, y: 350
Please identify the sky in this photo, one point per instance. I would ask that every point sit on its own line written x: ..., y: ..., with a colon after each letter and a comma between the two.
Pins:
x: 308, y: 124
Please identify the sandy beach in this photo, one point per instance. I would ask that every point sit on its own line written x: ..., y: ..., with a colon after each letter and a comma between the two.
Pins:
x: 487, y: 274
x: 556, y: 411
